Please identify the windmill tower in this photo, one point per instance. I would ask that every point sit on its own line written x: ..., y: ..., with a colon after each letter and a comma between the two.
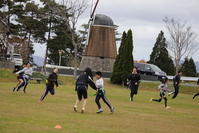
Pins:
x: 100, y: 53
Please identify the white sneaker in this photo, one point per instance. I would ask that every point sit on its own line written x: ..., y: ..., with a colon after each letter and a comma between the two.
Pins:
x: 99, y: 111
x: 193, y: 95
x: 75, y: 108
x: 83, y: 109
x: 112, y: 110
x: 151, y: 100
x: 131, y: 99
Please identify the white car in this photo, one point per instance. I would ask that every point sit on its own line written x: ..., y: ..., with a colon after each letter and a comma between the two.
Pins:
x: 18, y: 59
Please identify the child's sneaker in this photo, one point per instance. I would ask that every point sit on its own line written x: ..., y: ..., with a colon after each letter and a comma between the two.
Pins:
x: 131, y: 99
x: 167, y: 107
x: 151, y: 100
x: 83, y: 109
x: 13, y: 89
x: 75, y: 108
x: 99, y: 111
x: 112, y: 110
x: 194, y: 95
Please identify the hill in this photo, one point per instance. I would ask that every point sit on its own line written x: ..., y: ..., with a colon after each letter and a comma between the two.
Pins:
x: 38, y: 60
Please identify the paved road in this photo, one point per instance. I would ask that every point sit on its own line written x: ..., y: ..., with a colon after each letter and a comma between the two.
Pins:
x: 69, y: 72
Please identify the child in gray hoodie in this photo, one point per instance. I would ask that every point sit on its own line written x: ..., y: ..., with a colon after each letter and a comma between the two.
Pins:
x: 163, y: 87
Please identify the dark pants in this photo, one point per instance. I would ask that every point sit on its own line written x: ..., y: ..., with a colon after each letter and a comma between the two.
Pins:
x: 25, y: 83
x: 162, y: 96
x: 160, y: 99
x: 134, y: 90
x: 100, y: 95
x: 197, y: 94
x: 82, y: 91
x: 176, y: 90
x: 51, y: 89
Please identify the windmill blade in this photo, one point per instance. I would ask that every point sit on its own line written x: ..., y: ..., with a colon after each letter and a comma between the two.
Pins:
x: 92, y: 14
x: 88, y: 25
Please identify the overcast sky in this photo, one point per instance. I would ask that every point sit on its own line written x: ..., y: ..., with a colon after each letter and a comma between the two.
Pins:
x: 145, y: 19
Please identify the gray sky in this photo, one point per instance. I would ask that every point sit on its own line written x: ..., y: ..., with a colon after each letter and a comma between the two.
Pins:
x: 145, y: 19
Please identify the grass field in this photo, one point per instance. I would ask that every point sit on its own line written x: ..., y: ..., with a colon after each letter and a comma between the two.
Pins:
x: 23, y: 113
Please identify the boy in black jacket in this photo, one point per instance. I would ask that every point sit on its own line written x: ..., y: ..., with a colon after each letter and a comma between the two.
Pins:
x: 134, y: 80
x: 176, y: 82
x: 50, y: 83
x: 196, y: 94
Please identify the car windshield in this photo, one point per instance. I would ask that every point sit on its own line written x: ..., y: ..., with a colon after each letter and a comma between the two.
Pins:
x: 17, y: 56
x: 155, y: 68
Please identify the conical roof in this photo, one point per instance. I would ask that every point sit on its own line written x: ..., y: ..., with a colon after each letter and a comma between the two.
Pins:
x: 101, y: 19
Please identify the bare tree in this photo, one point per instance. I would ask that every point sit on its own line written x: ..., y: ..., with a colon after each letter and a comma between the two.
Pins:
x: 70, y: 11
x: 182, y: 40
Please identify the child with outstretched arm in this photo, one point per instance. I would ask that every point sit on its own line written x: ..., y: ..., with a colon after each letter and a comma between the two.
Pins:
x: 163, y: 87
x: 50, y: 83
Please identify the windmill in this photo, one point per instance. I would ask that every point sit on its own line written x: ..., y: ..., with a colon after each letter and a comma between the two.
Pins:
x: 100, y: 51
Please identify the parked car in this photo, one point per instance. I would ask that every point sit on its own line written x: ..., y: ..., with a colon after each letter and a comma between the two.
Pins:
x: 149, y: 69
x: 18, y: 59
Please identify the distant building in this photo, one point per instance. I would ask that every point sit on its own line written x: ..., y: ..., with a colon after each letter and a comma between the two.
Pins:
x: 100, y: 53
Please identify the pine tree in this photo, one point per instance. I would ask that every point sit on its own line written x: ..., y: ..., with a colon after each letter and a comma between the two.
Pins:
x: 124, y: 60
x: 188, y: 68
x: 117, y: 68
x: 193, y: 71
x: 128, y: 57
x: 160, y: 55
x: 60, y: 42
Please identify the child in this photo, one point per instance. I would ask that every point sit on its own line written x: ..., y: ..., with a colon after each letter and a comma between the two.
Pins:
x: 196, y: 94
x: 50, y: 83
x: 82, y: 87
x: 163, y: 87
x: 101, y: 93
x: 19, y: 76
x: 176, y: 82
x: 133, y: 82
x: 26, y: 76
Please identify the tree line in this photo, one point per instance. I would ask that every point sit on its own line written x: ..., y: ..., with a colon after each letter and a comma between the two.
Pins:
x: 33, y: 23
x: 159, y: 56
x: 54, y: 24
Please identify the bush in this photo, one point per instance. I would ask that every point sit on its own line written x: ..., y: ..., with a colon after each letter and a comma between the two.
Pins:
x: 43, y: 77
x: 39, y: 75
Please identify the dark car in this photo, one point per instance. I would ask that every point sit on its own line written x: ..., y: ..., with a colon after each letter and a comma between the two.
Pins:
x: 150, y: 70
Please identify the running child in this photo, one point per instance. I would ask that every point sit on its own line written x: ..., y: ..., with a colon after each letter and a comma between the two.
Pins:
x: 82, y: 87
x: 19, y: 76
x: 26, y: 76
x: 163, y: 87
x: 133, y: 82
x: 196, y: 94
x: 101, y: 93
x: 176, y: 82
x: 50, y: 83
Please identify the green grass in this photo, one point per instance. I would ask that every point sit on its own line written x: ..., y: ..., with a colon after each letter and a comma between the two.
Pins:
x: 23, y: 113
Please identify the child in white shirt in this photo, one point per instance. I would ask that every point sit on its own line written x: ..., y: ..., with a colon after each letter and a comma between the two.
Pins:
x: 101, y: 93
